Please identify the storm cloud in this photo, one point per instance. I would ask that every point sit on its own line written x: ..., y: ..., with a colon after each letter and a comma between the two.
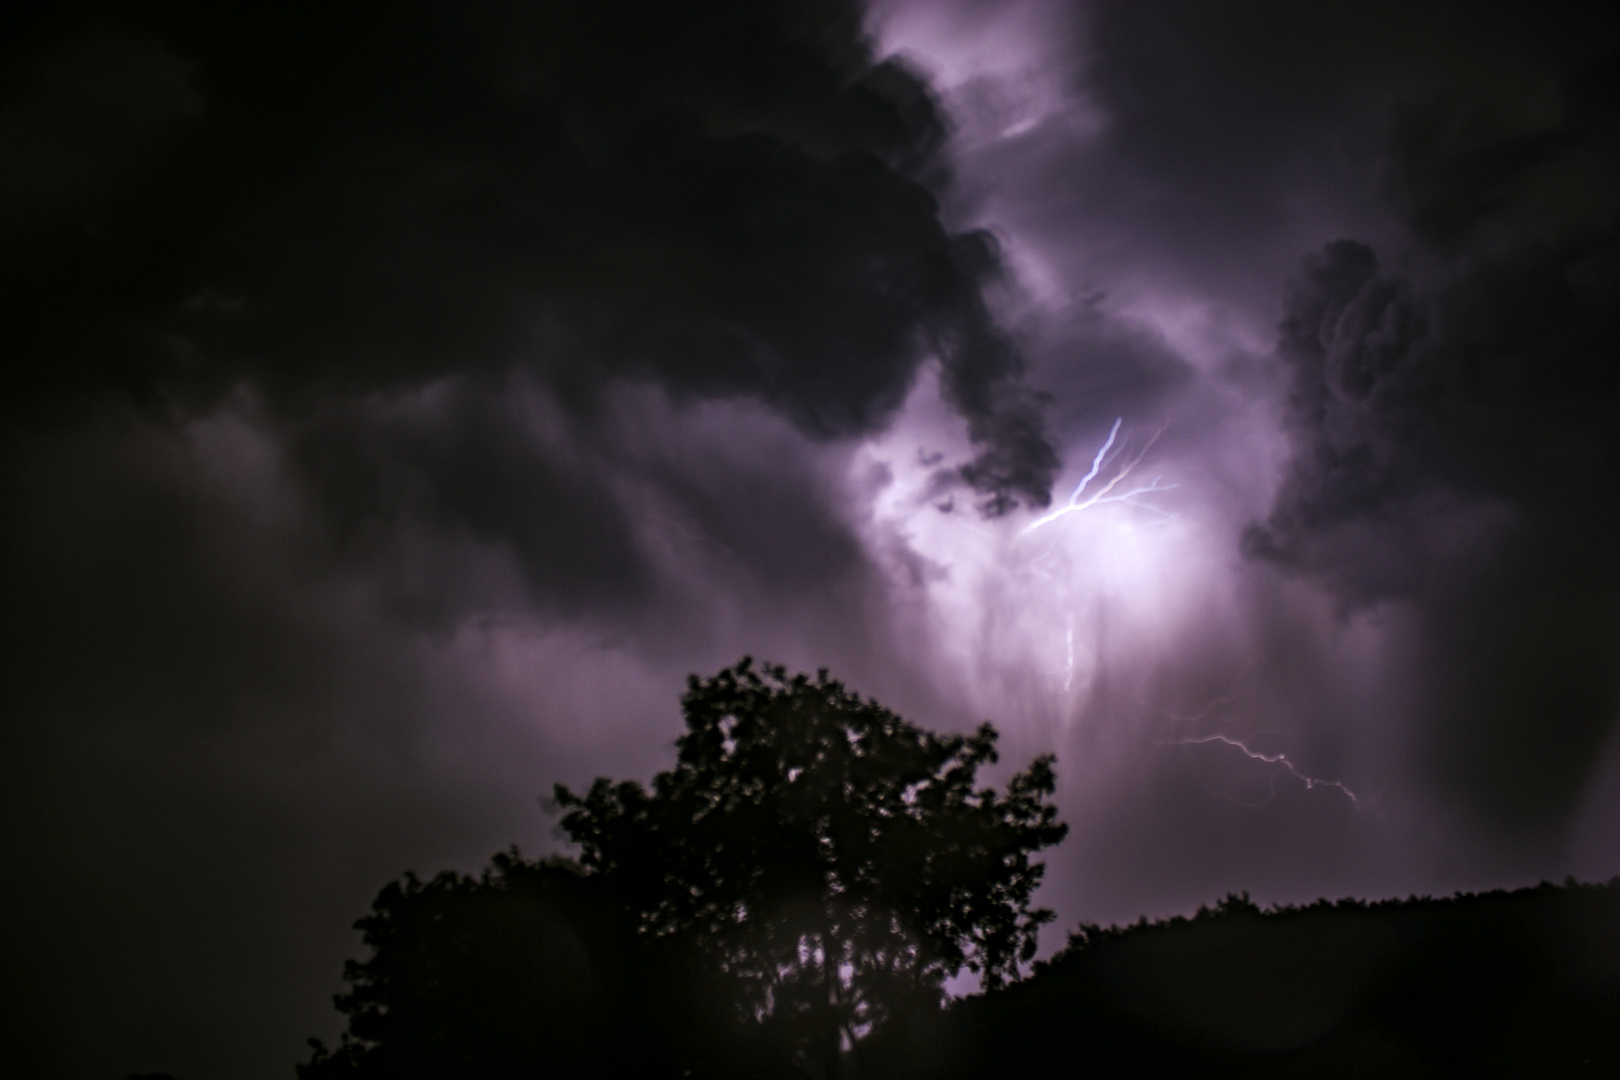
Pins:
x: 727, y: 202
x: 400, y: 402
x: 1454, y: 431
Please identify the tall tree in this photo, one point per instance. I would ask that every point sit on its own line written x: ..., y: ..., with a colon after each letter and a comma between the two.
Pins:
x: 832, y: 864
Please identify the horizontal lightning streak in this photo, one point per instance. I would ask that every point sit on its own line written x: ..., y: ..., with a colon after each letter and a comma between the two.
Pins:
x: 1311, y: 782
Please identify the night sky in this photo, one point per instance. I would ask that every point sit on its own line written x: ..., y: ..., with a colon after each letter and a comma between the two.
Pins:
x: 400, y: 400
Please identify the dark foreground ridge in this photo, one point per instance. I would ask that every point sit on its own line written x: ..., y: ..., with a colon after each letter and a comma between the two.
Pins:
x: 522, y: 973
x: 790, y: 899
x: 1523, y: 983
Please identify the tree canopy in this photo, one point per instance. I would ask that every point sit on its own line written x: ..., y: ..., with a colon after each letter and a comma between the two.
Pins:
x: 517, y: 972
x: 833, y: 863
x: 809, y: 873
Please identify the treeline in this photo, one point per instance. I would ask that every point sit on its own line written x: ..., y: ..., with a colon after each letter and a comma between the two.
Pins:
x: 791, y: 897
x: 526, y: 971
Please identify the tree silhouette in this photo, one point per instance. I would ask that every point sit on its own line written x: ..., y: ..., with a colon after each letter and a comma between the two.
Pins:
x: 522, y: 971
x: 829, y: 863
x: 809, y: 873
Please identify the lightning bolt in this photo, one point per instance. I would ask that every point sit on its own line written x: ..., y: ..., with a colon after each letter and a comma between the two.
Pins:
x: 1068, y: 679
x: 1105, y: 494
x: 1311, y: 782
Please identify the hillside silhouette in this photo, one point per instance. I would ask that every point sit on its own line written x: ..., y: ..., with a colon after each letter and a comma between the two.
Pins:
x: 1523, y: 983
x: 523, y: 972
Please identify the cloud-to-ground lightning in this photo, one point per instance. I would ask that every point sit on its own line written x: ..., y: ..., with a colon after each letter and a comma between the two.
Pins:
x: 1311, y: 782
x: 1105, y: 494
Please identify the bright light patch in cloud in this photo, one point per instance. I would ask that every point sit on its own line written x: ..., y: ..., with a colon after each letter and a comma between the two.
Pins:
x: 1003, y: 72
x: 1035, y: 617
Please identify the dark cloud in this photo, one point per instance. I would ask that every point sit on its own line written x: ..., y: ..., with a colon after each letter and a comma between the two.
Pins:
x: 87, y: 114
x: 1361, y: 398
x: 1099, y: 366
x: 1203, y: 145
x: 408, y: 485
x: 1454, y: 432
x: 1202, y: 148
x: 729, y: 200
